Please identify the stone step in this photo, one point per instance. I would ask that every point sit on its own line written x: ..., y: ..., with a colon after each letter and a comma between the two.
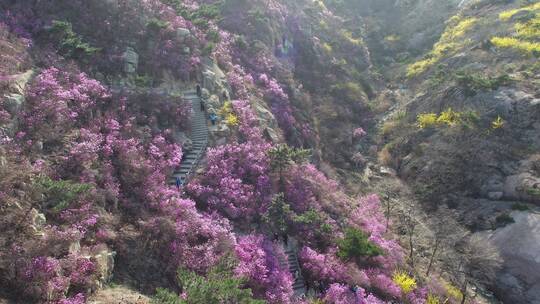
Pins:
x: 298, y: 284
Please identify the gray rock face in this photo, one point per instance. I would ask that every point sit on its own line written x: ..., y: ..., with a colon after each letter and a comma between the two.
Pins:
x: 104, y: 259
x: 495, y: 195
x: 519, y: 244
x: 38, y: 221
x: 524, y: 186
x: 214, y: 79
x: 183, y: 33
x: 13, y: 103
x: 209, y: 80
x: 131, y: 61
x: 213, y: 102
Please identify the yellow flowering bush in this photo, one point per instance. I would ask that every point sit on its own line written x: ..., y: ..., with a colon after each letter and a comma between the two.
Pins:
x: 231, y: 120
x: 448, y: 43
x: 453, y: 291
x: 404, y: 281
x: 529, y: 29
x: 508, y: 42
x: 426, y: 120
x: 449, y: 117
x: 227, y: 112
x: 527, y: 32
x: 431, y: 299
x: 506, y: 15
x: 498, y: 123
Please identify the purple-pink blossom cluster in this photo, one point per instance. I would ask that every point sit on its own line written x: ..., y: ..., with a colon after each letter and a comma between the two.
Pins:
x: 359, y: 133
x: 343, y: 294
x: 369, y: 217
x: 188, y: 237
x: 259, y: 262
x: 323, y: 267
x: 236, y: 181
x: 48, y: 279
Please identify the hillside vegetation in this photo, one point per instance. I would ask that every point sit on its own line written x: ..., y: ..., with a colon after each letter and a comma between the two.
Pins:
x: 303, y: 101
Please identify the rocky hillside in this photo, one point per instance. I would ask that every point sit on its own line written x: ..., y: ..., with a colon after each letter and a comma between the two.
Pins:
x: 463, y: 129
x: 100, y: 111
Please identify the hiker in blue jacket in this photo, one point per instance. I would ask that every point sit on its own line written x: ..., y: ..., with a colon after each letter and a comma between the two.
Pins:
x: 213, y: 118
x: 178, y: 183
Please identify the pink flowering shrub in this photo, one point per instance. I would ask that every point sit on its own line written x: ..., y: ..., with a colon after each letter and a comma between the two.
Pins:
x: 249, y: 123
x: 58, y: 101
x: 236, y: 180
x: 279, y: 102
x: 369, y: 217
x: 49, y: 279
x: 342, y: 294
x: 189, y: 238
x: 322, y: 267
x: 259, y: 262
x: 359, y: 133
x: 384, y: 284
x: 307, y: 187
x: 239, y: 81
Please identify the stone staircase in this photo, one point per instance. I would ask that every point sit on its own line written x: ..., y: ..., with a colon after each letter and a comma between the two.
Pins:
x: 299, y: 285
x: 199, y: 139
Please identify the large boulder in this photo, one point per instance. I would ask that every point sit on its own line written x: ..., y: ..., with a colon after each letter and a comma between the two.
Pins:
x: 523, y: 186
x: 38, y: 221
x: 213, y: 102
x: 209, y: 80
x: 519, y: 244
x: 213, y: 78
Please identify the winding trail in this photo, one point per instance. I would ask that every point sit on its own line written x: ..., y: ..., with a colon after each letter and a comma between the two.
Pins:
x: 192, y: 159
x: 299, y: 284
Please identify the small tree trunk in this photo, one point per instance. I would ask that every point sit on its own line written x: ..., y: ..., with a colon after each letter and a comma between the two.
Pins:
x: 411, y: 244
x: 387, y: 216
x: 433, y: 254
x: 464, y: 292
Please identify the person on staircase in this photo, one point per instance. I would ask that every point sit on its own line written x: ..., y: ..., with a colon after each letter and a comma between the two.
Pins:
x: 199, y: 91
x: 178, y: 182
x: 203, y: 104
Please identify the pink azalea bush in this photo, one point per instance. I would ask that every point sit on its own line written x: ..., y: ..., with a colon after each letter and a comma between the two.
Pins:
x: 342, y: 294
x: 369, y: 217
x: 359, y: 133
x: 194, y: 240
x: 323, y: 267
x: 236, y: 181
x: 59, y: 101
x: 259, y: 261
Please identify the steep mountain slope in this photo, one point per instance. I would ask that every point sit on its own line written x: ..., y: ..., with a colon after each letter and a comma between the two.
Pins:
x: 96, y: 115
x: 464, y: 129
